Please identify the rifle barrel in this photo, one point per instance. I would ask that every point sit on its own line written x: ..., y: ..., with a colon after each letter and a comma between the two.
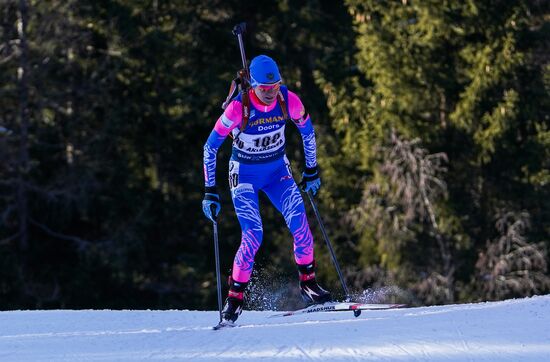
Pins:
x: 243, y: 55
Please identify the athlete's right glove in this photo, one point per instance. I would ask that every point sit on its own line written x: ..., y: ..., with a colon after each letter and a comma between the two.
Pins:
x: 211, y: 201
x: 310, y: 180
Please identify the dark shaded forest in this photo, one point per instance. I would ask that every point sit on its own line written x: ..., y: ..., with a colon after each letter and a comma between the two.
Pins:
x: 432, y: 123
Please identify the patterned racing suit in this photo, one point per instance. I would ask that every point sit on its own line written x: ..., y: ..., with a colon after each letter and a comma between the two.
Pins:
x: 259, y: 163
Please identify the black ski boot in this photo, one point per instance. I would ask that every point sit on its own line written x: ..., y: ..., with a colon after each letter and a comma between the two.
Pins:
x: 312, y: 293
x: 234, y: 303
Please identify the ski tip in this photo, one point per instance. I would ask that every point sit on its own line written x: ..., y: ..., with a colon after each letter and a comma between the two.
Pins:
x: 284, y: 314
x: 400, y: 306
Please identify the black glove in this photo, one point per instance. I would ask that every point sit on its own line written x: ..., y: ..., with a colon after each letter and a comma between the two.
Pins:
x: 310, y: 180
x: 211, y: 201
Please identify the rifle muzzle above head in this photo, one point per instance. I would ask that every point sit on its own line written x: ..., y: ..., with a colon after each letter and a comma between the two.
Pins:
x: 239, y: 29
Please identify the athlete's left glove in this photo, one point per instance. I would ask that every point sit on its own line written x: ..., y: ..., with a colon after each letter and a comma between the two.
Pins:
x: 310, y: 180
x: 211, y: 202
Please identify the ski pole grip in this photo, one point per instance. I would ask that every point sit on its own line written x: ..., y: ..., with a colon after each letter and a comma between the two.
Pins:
x: 213, y: 211
x: 239, y: 29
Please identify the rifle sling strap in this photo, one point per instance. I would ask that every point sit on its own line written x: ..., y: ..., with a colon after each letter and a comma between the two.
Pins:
x: 282, y: 103
x: 246, y: 109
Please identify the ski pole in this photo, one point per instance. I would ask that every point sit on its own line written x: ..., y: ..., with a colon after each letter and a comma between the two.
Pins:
x: 332, y: 253
x: 217, y: 256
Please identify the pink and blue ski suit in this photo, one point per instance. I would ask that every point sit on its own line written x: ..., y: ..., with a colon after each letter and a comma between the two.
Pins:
x: 259, y: 163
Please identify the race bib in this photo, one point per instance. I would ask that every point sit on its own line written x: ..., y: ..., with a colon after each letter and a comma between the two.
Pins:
x: 260, y: 144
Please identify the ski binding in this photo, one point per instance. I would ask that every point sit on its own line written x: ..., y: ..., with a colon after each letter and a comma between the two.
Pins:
x: 225, y: 324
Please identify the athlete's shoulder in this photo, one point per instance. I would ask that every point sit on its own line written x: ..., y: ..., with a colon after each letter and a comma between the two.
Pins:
x: 230, y: 118
x: 295, y: 106
x: 234, y: 110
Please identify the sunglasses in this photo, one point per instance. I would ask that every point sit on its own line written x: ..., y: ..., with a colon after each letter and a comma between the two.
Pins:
x: 269, y: 87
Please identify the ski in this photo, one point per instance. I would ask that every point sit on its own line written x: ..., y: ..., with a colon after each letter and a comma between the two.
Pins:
x: 338, y: 307
x: 224, y: 324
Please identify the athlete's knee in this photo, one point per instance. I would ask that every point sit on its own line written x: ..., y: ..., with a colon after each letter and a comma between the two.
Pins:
x: 299, y: 227
x: 252, y: 236
x: 250, y: 244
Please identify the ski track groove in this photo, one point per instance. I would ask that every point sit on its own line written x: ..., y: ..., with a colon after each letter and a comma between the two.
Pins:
x: 464, y: 343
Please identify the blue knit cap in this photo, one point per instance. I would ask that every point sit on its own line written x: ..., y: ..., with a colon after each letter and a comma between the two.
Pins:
x: 263, y: 70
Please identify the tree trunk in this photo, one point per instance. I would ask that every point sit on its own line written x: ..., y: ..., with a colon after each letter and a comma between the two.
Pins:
x: 24, y: 123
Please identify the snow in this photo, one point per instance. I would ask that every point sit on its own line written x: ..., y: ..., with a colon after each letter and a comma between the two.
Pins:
x: 512, y: 330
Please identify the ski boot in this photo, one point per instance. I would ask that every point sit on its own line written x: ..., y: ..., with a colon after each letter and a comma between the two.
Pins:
x: 312, y: 293
x: 234, y: 303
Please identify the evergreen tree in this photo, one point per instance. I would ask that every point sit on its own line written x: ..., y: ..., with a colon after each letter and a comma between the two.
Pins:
x: 462, y: 78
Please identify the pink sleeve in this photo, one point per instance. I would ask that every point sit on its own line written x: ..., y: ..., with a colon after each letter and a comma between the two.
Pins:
x: 295, y: 107
x: 230, y: 118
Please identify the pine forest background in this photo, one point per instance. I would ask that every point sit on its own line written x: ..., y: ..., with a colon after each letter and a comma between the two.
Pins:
x: 432, y: 122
